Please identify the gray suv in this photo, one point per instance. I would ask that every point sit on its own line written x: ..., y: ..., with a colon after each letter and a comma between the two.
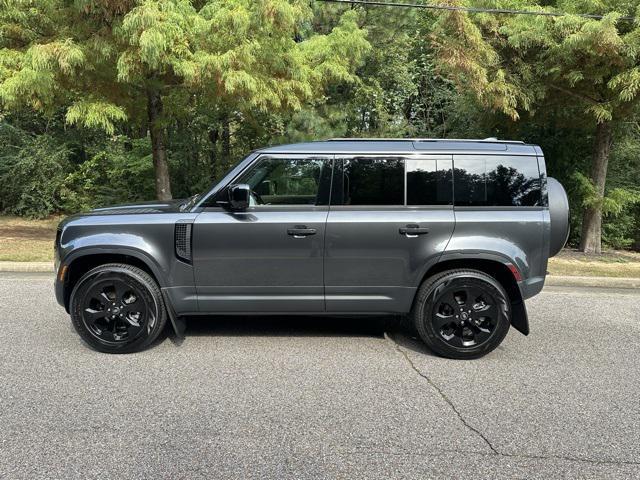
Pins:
x: 453, y: 233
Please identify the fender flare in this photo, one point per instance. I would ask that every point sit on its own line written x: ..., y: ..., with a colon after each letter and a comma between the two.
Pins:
x: 176, y: 322
x: 519, y: 316
x: 136, y: 253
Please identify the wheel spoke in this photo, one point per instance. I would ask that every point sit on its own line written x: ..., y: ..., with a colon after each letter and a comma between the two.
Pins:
x: 490, y: 311
x: 473, y: 293
x: 134, y: 306
x: 440, y: 320
x: 451, y: 299
x: 464, y: 313
x: 105, y: 298
x: 120, y: 289
x: 115, y: 310
x: 132, y: 321
x: 92, y: 315
x: 454, y: 338
x: 481, y: 333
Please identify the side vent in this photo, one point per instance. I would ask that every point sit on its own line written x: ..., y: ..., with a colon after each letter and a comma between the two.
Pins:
x: 183, y: 241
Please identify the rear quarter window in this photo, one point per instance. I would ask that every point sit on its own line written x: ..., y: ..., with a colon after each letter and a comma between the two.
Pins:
x: 500, y: 181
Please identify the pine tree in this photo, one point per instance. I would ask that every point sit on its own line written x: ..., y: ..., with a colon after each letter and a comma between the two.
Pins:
x: 515, y: 63
x: 107, y: 61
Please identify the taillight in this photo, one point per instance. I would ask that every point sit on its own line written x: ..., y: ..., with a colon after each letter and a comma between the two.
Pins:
x: 515, y: 272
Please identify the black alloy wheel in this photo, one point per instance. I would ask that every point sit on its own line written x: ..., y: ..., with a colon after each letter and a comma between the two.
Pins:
x: 462, y: 313
x: 114, y: 311
x: 117, y: 308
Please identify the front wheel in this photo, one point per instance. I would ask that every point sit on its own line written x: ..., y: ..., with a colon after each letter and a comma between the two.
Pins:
x: 117, y: 308
x: 462, y: 314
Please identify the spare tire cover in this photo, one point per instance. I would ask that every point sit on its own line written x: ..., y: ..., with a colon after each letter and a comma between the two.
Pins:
x: 559, y: 214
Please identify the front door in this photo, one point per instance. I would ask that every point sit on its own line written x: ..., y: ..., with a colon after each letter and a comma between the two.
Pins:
x: 268, y: 258
x: 391, y: 218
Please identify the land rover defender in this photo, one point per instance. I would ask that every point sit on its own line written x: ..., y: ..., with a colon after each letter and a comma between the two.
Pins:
x: 454, y: 234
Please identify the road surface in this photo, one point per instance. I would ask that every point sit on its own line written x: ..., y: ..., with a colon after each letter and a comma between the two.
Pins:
x: 321, y: 398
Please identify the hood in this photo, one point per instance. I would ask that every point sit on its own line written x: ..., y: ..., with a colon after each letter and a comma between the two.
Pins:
x: 139, y: 208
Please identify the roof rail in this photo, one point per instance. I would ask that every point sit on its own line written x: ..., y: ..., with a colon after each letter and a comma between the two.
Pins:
x: 487, y: 140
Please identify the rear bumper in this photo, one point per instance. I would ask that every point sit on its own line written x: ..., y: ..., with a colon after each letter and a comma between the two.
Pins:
x: 531, y: 287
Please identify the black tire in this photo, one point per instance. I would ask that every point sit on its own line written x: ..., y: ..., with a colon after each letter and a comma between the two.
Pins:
x: 117, y: 308
x: 461, y: 314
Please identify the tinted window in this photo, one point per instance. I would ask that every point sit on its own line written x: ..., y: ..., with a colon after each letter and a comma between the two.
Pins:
x: 429, y: 182
x: 285, y: 181
x: 496, y: 181
x: 373, y: 181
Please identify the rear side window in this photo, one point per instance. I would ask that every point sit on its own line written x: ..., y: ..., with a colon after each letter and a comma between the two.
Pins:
x: 500, y: 181
x: 373, y: 181
x: 429, y: 182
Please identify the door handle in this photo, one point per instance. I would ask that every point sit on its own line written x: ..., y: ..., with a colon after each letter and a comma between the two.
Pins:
x: 301, y: 231
x: 413, y: 230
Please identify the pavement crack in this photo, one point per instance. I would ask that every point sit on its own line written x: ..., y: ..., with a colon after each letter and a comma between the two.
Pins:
x: 442, y: 394
x: 494, y: 450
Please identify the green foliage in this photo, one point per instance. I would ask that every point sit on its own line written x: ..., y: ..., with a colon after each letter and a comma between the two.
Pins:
x: 614, y: 203
x: 617, y: 206
x: 510, y: 62
x: 100, y: 115
x: 32, y: 173
x: 620, y: 231
x: 122, y: 171
x: 235, y: 75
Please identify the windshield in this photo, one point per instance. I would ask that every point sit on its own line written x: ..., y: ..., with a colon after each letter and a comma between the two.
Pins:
x: 191, y: 201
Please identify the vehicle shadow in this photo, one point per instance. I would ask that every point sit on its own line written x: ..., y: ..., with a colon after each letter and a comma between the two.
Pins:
x: 288, y: 326
x: 394, y: 327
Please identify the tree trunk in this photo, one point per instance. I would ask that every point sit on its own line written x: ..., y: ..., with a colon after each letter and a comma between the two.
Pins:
x: 226, y: 142
x: 214, y: 134
x: 158, y: 147
x: 591, y: 239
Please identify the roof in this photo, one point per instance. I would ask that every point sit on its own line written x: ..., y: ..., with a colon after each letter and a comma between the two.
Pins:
x: 408, y: 145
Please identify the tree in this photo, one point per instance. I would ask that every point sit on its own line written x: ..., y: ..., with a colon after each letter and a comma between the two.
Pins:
x: 517, y: 63
x: 107, y: 61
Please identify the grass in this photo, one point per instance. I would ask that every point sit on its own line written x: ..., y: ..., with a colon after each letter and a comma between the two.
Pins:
x: 23, y: 240
x: 612, y: 263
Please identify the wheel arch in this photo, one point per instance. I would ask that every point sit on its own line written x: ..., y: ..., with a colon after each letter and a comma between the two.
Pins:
x: 499, y: 269
x: 83, y: 261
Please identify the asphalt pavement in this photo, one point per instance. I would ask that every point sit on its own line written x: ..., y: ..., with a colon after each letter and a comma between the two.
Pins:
x: 263, y: 397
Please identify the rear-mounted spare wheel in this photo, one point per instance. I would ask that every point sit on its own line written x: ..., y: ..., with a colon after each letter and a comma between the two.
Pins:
x: 559, y: 214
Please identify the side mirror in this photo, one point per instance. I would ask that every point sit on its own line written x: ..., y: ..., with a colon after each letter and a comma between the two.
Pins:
x: 239, y: 196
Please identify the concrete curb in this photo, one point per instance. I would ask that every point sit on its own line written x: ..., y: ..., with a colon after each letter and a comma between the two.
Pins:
x: 551, y: 280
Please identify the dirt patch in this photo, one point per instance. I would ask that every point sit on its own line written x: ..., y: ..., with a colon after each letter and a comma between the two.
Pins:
x: 27, y: 232
x: 608, y: 256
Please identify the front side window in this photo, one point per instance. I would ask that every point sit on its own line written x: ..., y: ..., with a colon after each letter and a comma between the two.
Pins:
x: 496, y: 181
x: 288, y: 181
x: 372, y: 181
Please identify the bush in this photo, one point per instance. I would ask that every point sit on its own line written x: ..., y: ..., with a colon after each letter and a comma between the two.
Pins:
x: 120, y: 171
x: 32, y: 173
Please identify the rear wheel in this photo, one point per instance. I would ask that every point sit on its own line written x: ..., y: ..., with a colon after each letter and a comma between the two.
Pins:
x: 462, y: 314
x: 117, y: 308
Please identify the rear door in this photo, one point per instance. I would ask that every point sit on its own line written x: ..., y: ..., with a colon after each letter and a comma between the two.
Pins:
x: 268, y: 258
x: 391, y: 218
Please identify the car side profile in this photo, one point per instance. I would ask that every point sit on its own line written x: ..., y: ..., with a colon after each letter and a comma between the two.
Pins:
x: 455, y: 234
